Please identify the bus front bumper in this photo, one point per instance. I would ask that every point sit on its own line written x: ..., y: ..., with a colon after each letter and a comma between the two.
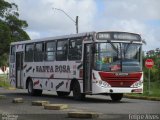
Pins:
x: 98, y: 89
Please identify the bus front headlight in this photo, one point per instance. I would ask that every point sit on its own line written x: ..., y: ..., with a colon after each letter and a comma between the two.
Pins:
x: 103, y: 84
x: 137, y: 84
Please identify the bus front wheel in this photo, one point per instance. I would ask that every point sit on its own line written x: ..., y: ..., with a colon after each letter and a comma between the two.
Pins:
x: 77, y: 92
x: 116, y: 96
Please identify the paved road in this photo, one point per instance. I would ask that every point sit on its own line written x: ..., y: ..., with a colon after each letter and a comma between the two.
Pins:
x: 96, y: 103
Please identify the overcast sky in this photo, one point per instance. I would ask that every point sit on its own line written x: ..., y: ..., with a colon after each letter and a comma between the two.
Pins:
x: 139, y: 16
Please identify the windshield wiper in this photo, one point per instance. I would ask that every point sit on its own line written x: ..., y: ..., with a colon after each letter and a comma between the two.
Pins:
x: 126, y: 48
x: 113, y: 46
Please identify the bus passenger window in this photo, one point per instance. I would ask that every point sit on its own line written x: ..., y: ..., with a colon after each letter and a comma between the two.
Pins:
x: 62, y: 50
x: 38, y: 52
x: 75, y: 49
x: 29, y: 49
x: 50, y: 51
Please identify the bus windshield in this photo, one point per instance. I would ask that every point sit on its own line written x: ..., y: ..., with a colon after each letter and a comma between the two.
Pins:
x: 114, y: 57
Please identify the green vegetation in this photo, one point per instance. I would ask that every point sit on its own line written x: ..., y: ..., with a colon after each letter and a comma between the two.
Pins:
x: 4, y: 82
x: 155, y: 70
x: 154, y: 89
x: 11, y: 29
x: 154, y: 74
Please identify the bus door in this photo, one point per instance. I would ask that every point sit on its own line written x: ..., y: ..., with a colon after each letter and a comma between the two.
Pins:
x: 19, y: 70
x: 87, y: 65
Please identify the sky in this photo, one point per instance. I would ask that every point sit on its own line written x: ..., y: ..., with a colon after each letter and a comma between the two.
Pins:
x: 137, y: 16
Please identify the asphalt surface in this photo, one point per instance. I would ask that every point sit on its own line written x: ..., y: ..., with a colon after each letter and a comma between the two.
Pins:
x: 107, y: 110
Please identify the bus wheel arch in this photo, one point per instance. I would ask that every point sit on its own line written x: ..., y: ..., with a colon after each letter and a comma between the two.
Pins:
x: 31, y: 90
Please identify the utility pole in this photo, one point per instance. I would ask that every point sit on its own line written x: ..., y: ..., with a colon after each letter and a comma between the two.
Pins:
x: 75, y: 21
x: 77, y: 24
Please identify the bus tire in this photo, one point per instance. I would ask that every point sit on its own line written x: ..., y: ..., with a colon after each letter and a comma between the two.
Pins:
x: 32, y: 91
x: 62, y: 94
x: 77, y: 92
x: 116, y: 97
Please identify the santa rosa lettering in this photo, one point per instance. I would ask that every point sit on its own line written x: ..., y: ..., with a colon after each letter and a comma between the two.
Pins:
x: 57, y: 69
x: 44, y: 69
x: 62, y: 68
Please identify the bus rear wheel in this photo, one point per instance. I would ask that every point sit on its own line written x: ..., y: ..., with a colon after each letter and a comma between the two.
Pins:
x: 77, y: 92
x: 62, y: 94
x: 32, y: 91
x: 116, y: 97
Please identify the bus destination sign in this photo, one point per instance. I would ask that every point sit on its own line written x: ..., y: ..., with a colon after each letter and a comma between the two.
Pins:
x: 118, y: 36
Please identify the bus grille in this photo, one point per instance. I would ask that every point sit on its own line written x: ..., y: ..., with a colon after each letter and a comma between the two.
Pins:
x: 116, y: 80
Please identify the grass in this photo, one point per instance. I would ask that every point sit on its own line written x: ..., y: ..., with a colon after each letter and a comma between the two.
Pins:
x: 154, y: 89
x: 4, y: 82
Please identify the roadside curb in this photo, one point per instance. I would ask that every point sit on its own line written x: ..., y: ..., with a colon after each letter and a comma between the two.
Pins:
x: 83, y: 115
x: 55, y: 106
x: 39, y: 103
x: 2, y: 96
x: 142, y: 97
x: 17, y: 100
x: 11, y: 88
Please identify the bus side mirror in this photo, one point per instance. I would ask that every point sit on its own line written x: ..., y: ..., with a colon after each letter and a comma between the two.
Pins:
x: 144, y: 42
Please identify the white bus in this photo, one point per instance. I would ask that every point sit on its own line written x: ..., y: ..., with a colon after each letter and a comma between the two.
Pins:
x: 86, y: 63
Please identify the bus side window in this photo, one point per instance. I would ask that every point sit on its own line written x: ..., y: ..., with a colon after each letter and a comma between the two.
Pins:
x: 12, y: 54
x: 62, y: 50
x: 75, y: 49
x: 38, y: 52
x: 29, y: 52
x: 50, y: 51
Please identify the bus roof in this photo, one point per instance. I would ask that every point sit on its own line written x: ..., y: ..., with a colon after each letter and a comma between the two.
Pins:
x: 54, y: 38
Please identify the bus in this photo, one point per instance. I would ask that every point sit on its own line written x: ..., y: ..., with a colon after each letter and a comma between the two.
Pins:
x: 91, y: 63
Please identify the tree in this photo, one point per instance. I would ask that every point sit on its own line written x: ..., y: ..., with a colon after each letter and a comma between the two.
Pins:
x: 5, y: 37
x: 11, y: 28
